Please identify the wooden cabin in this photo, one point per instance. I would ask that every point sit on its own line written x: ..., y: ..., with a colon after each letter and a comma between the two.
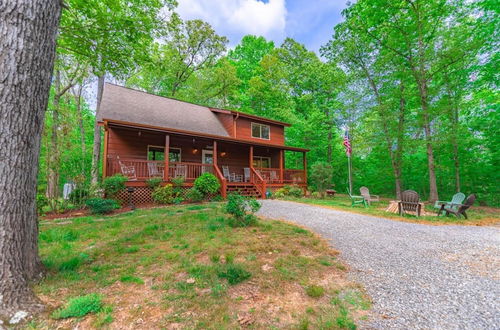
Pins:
x: 245, y: 152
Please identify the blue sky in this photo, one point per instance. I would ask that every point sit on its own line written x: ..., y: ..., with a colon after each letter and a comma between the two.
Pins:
x: 309, y: 22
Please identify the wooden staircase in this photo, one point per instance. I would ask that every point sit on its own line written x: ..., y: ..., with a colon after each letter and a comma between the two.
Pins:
x: 244, y: 189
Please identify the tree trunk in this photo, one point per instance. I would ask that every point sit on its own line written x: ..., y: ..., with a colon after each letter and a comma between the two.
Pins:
x: 53, y: 152
x: 78, y: 99
x: 27, y: 43
x: 96, y: 154
x: 454, y: 128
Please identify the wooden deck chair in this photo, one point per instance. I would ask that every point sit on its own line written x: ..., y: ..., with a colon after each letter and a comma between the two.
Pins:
x: 180, y: 171
x: 128, y: 171
x: 459, y: 209
x: 154, y: 171
x: 226, y: 173
x: 355, y: 200
x: 366, y: 195
x: 273, y: 177
x: 409, y: 203
x: 456, y: 200
x: 246, y: 172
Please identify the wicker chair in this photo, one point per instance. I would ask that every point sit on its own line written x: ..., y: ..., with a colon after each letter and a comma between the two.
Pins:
x: 366, y: 195
x: 410, y: 202
x: 458, y: 210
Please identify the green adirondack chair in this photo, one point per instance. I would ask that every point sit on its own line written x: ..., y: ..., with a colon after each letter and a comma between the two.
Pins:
x: 355, y: 200
x: 456, y: 201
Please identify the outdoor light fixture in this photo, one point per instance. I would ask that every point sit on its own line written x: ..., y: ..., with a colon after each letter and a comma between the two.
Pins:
x: 195, y: 150
x: 223, y: 154
x: 130, y: 191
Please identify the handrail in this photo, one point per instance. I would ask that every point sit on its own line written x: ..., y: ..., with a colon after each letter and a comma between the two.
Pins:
x: 223, y: 181
x: 259, y: 183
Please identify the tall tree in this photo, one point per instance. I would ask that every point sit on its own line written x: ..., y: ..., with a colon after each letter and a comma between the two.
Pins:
x: 188, y: 47
x: 27, y: 43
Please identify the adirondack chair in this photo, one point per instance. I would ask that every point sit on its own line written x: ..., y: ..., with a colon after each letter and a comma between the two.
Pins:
x: 457, y: 199
x: 459, y: 209
x: 273, y: 177
x: 366, y: 195
x: 356, y: 199
x: 246, y: 172
x: 410, y: 202
x: 154, y: 171
x: 226, y: 173
x: 180, y: 171
x: 128, y: 171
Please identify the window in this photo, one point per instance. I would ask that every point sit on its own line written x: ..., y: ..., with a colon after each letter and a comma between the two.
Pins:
x: 261, y: 162
x: 260, y: 131
x: 158, y: 153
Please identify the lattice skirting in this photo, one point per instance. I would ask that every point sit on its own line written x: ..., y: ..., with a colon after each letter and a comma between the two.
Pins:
x: 142, y: 195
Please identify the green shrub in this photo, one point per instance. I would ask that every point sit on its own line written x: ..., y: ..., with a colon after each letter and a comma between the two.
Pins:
x: 194, y: 195
x: 79, y: 306
x: 178, y: 200
x: 153, y: 183
x: 242, y: 210
x: 233, y: 273
x: 163, y: 195
x: 207, y: 184
x: 295, y: 191
x: 279, y: 193
x: 79, y: 196
x: 316, y: 194
x: 315, y: 291
x: 101, y: 205
x: 114, y: 184
x: 41, y: 203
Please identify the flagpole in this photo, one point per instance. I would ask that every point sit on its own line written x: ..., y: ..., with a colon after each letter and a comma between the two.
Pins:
x: 349, y: 170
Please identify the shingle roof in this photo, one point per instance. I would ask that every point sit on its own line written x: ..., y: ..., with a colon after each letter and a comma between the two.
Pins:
x: 130, y: 105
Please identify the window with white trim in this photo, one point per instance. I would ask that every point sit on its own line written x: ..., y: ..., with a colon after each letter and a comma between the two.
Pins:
x: 261, y: 131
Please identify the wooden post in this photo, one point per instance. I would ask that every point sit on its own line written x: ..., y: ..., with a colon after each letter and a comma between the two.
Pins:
x: 167, y: 157
x: 304, y: 165
x: 105, y: 153
x: 215, y: 154
x: 251, y: 157
x: 281, y: 166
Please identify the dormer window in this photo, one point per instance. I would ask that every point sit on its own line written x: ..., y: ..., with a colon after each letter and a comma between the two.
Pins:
x: 260, y: 131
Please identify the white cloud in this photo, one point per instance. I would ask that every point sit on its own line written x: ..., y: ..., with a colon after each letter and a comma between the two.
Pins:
x: 236, y: 18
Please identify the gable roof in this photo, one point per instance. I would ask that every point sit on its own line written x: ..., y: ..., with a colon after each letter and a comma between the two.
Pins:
x: 130, y: 105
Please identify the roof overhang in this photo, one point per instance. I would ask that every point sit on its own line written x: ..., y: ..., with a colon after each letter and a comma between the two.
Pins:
x: 117, y: 123
x: 246, y: 115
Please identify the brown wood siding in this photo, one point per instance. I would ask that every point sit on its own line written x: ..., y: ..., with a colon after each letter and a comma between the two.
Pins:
x: 227, y: 121
x: 244, y: 131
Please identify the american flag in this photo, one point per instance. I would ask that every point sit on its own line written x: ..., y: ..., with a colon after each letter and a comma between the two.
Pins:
x: 347, y: 144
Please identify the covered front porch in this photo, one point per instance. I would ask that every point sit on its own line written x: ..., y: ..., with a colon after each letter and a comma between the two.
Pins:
x: 140, y: 154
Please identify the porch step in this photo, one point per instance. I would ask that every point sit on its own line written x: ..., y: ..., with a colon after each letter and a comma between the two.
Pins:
x: 244, y: 190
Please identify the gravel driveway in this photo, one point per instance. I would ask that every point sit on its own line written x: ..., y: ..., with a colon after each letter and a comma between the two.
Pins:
x: 418, y: 276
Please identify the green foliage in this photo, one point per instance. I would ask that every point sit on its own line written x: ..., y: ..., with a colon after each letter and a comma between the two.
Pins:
x: 207, y: 184
x: 321, y: 175
x: 153, y: 183
x: 315, y: 291
x: 114, y: 184
x: 163, y: 195
x: 194, y: 195
x: 242, y: 210
x: 287, y: 190
x: 79, y: 196
x: 101, y: 205
x: 79, y: 306
x: 41, y: 203
x: 233, y: 273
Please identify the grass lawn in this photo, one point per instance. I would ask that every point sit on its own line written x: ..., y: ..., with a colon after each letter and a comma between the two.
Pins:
x: 478, y: 216
x: 184, y: 267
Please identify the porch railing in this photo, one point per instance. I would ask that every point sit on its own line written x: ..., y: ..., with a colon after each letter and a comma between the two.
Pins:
x: 294, y: 176
x: 138, y: 169
x: 258, y: 182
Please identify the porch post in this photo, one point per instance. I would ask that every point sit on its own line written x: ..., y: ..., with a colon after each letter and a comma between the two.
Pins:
x: 304, y: 165
x: 105, y: 152
x: 281, y: 166
x: 215, y: 153
x: 251, y: 157
x: 167, y: 157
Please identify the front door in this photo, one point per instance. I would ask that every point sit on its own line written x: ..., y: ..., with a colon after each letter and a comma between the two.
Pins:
x: 207, y: 157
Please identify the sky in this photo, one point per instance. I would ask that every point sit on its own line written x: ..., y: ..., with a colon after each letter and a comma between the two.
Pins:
x: 309, y: 22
